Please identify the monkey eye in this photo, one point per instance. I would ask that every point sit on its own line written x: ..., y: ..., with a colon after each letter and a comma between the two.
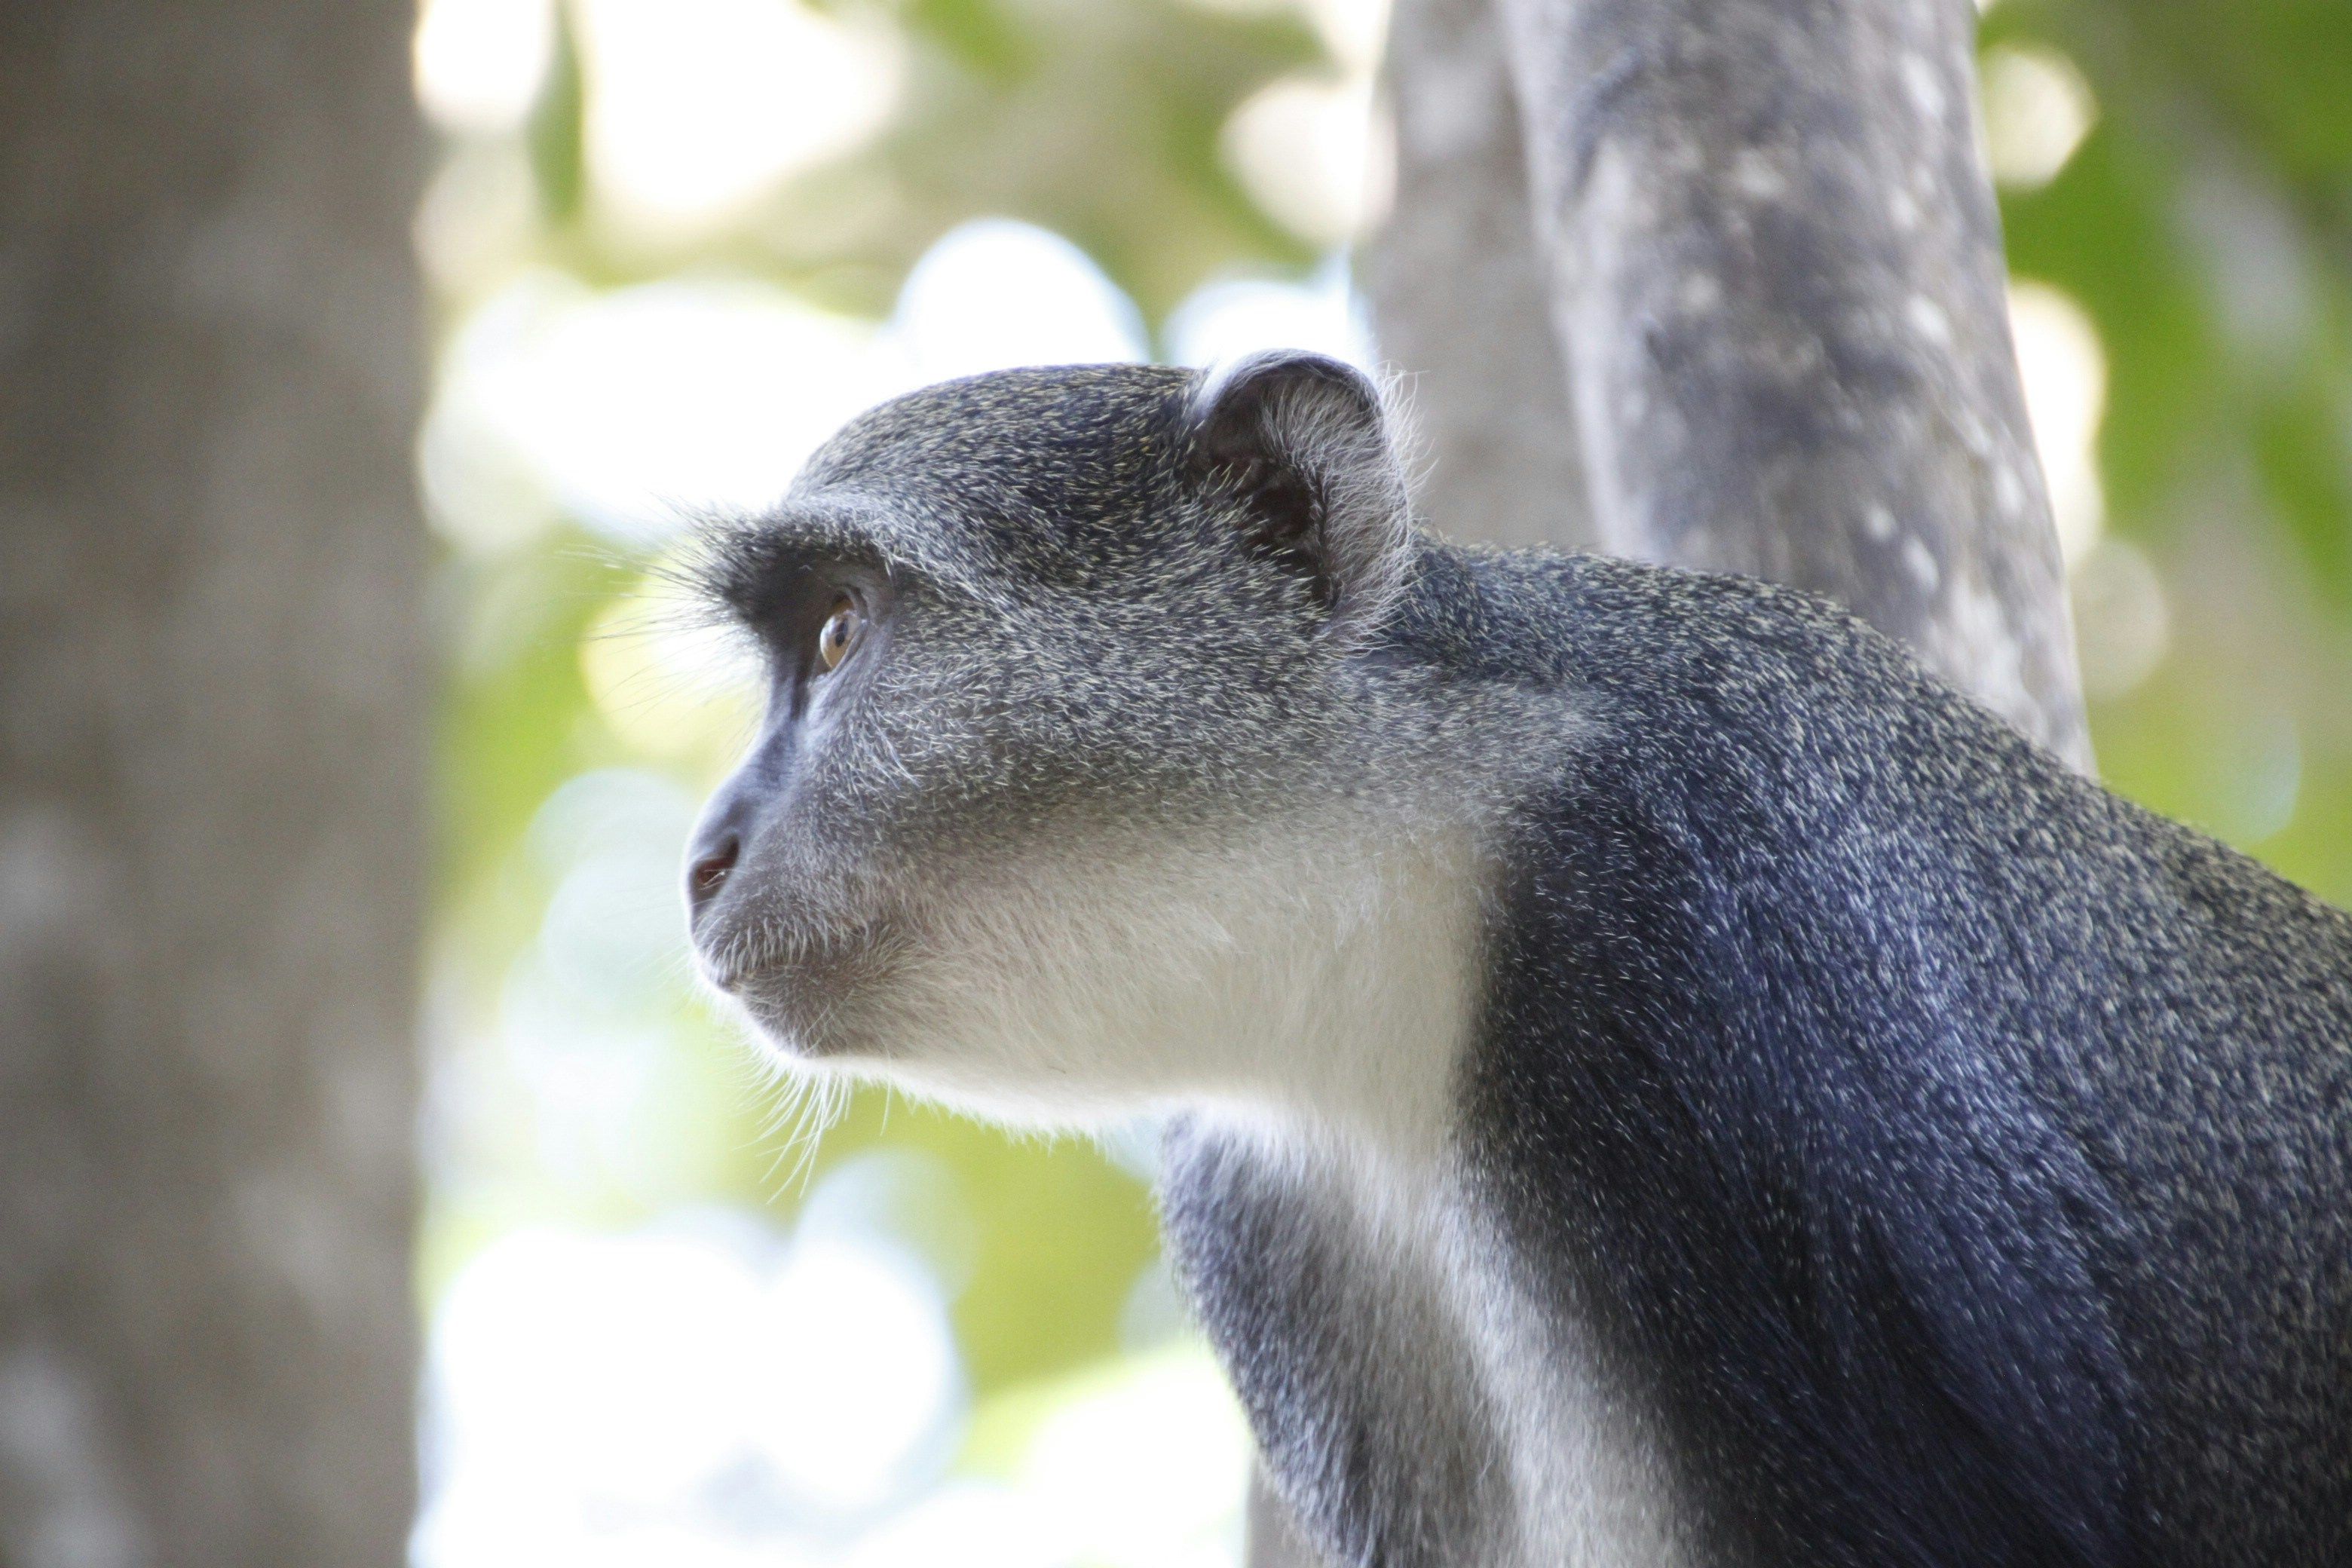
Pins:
x: 840, y: 633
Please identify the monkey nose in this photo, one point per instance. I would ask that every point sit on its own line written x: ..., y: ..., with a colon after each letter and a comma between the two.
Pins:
x: 707, y: 873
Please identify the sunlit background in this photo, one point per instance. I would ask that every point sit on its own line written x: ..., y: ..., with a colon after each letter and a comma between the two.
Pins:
x: 673, y: 243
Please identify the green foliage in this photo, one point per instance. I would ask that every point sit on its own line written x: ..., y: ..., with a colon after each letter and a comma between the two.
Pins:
x: 2206, y: 224
x: 556, y: 132
x: 515, y: 711
x: 1062, y: 1236
x: 1098, y: 122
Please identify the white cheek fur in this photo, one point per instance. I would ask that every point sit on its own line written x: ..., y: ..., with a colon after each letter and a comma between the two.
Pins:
x: 1323, y: 970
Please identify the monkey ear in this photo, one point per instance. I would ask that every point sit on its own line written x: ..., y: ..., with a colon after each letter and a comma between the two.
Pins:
x: 1302, y: 443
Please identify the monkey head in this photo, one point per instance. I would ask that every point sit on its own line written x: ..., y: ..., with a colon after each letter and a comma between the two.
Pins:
x: 1066, y: 789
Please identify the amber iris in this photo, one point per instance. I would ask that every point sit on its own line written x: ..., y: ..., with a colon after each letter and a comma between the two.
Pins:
x: 839, y: 633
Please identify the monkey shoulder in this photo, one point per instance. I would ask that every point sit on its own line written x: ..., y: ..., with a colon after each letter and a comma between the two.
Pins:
x: 1839, y: 1026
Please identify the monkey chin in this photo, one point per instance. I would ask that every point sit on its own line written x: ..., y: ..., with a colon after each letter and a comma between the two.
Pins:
x: 807, y: 1004
x: 880, y: 1016
x: 869, y: 1010
x: 846, y: 1034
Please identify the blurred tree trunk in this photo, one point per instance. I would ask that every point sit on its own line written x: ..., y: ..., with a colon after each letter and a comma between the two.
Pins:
x: 1776, y: 269
x: 1770, y: 264
x: 211, y: 699
x: 1460, y: 290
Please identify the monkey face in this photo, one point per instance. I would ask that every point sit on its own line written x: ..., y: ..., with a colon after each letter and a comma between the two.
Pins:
x: 1059, y: 799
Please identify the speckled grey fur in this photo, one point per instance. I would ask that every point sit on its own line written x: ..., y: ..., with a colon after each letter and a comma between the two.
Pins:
x: 1870, y: 1142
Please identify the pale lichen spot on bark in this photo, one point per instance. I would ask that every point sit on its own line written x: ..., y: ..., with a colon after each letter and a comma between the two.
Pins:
x: 1878, y: 521
x: 1974, y: 435
x: 1757, y: 176
x: 69, y: 1493
x: 1903, y: 210
x: 1921, y: 81
x: 1930, y: 320
x: 1921, y: 562
x: 1991, y: 649
x: 43, y: 887
x: 1700, y: 294
x: 2008, y: 490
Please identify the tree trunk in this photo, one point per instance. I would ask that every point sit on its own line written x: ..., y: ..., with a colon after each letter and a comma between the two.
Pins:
x: 1776, y: 269
x: 211, y: 699
x: 1459, y: 291
x: 1772, y: 268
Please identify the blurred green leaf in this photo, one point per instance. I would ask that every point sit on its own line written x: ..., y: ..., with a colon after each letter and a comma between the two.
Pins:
x: 2100, y: 231
x: 556, y: 135
x: 2305, y: 472
x: 516, y: 700
x: 1065, y: 1235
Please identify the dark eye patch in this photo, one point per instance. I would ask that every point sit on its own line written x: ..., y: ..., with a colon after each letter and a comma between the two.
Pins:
x: 788, y: 612
x: 791, y: 601
x: 780, y: 588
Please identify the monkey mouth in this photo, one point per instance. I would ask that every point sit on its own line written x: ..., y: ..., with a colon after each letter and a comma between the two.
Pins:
x: 799, y: 988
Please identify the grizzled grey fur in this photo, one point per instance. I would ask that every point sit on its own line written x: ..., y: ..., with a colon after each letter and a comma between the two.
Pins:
x: 1659, y: 1079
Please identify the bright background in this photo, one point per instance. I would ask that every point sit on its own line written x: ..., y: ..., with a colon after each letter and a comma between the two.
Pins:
x: 673, y: 243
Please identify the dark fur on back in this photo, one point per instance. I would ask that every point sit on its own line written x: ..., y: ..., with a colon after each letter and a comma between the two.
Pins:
x: 1957, y: 1158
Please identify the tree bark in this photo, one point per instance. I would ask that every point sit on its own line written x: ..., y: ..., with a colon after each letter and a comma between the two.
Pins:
x: 1776, y: 267
x: 1460, y: 293
x: 212, y: 701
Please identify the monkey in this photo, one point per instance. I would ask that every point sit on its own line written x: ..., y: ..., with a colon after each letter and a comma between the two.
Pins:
x: 1651, y: 1076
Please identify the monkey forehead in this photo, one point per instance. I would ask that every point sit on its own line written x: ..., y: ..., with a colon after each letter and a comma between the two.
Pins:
x: 1079, y: 427
x: 1056, y: 465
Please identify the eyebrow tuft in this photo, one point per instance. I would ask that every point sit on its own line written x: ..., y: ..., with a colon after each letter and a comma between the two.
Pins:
x: 740, y: 570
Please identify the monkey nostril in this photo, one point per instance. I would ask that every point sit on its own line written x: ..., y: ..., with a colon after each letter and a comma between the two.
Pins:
x: 708, y: 874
